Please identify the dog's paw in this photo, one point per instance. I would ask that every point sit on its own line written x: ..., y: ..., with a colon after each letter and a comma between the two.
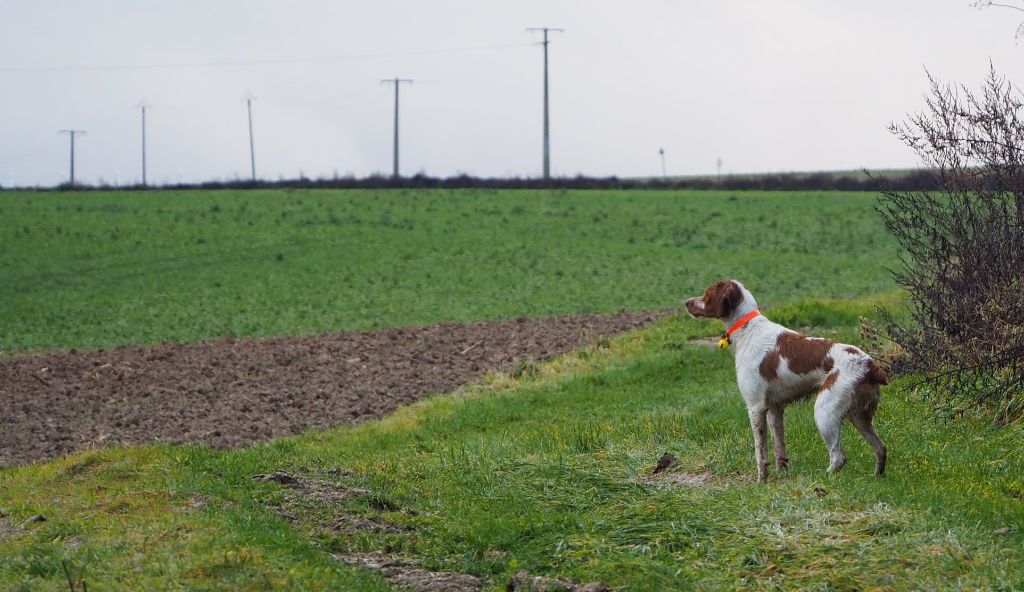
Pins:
x: 837, y: 465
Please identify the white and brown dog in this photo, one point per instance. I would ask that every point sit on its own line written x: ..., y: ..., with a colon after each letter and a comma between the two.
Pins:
x: 776, y: 366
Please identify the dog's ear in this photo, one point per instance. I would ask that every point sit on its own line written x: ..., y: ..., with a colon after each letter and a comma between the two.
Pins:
x: 722, y: 299
x: 733, y: 298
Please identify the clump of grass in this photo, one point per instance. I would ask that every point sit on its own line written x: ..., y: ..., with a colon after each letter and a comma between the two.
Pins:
x: 525, y: 369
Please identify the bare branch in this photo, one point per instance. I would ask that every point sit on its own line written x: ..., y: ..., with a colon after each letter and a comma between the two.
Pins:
x: 962, y: 254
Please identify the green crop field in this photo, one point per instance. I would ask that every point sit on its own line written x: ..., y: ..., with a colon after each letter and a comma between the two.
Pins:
x: 546, y: 470
x: 95, y: 269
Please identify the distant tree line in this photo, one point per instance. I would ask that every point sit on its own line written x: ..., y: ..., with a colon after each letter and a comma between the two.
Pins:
x: 915, y: 180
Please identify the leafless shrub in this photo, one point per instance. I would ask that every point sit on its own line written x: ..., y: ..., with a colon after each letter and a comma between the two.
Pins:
x: 963, y: 259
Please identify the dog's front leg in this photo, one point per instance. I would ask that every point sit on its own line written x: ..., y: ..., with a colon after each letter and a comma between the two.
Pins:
x: 778, y: 436
x: 758, y: 421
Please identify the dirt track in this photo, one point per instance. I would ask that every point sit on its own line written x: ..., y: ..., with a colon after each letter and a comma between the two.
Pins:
x: 233, y: 392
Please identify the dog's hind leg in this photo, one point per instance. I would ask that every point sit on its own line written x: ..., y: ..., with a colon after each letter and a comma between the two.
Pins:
x: 775, y: 414
x: 860, y: 415
x: 757, y: 425
x: 829, y: 410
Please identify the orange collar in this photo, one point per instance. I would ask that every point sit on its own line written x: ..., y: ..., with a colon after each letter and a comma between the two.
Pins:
x: 741, y: 323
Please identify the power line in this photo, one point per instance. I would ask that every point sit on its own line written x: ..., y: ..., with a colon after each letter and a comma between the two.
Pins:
x: 259, y: 62
x: 44, y: 145
x: 547, y: 135
x: 397, y: 82
x: 72, y: 133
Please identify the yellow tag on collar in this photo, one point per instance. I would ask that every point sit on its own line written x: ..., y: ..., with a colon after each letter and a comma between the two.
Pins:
x: 723, y: 343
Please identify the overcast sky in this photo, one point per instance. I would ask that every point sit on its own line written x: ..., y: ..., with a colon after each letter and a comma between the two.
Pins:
x: 792, y: 85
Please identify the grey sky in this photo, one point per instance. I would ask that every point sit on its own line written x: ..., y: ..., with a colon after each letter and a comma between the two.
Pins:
x: 767, y: 86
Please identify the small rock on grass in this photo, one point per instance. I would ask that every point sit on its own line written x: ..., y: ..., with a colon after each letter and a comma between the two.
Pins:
x: 665, y: 462
x: 277, y: 477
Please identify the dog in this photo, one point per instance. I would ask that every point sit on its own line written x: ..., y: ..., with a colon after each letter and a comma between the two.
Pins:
x: 776, y: 366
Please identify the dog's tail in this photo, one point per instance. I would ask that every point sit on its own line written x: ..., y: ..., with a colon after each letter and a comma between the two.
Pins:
x: 876, y: 375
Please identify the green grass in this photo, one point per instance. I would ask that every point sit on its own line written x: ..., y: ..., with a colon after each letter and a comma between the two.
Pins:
x: 99, y: 269
x: 541, y: 472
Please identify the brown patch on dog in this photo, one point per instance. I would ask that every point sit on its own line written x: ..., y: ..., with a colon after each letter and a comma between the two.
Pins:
x: 866, y: 395
x: 828, y: 364
x: 851, y: 350
x: 830, y: 380
x: 803, y: 354
x: 876, y: 375
x: 721, y: 299
x: 769, y: 367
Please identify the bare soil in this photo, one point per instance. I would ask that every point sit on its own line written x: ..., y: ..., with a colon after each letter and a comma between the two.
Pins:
x: 404, y: 573
x: 233, y: 392
x: 303, y: 492
x: 525, y: 582
x: 7, y: 529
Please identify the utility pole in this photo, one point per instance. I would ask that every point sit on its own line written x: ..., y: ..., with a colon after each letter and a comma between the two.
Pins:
x: 143, y: 105
x: 397, y: 82
x: 547, y: 134
x: 249, y: 98
x: 72, y: 133
x: 661, y: 151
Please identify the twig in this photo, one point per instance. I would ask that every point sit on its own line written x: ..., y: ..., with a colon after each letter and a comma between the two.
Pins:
x: 468, y: 349
x: 1008, y: 6
x: 67, y: 574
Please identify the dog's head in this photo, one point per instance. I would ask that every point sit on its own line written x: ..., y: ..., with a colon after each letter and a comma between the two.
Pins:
x: 720, y: 301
